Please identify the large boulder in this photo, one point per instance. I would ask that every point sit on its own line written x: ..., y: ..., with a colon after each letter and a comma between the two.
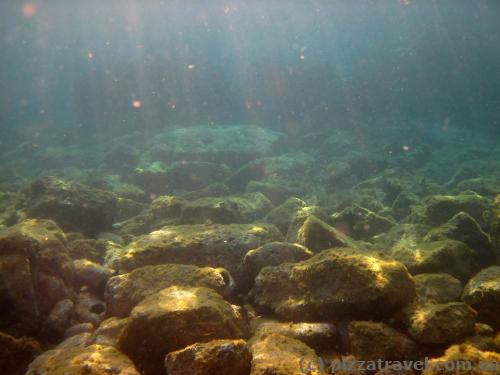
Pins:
x: 334, y: 284
x: 125, y: 291
x: 438, y: 209
x: 482, y: 292
x: 78, y: 360
x: 72, y: 206
x: 272, y: 254
x: 244, y: 208
x: 320, y: 336
x: 440, y: 323
x: 35, y: 273
x: 464, y: 360
x: 281, y: 355
x: 462, y: 227
x: 17, y: 353
x: 317, y: 235
x: 217, y: 357
x: 446, y: 256
x: 201, y: 245
x: 174, y: 318
x: 362, y: 223
x: 371, y: 341
x: 438, y: 287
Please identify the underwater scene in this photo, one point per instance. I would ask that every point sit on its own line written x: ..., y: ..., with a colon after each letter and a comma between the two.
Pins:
x: 260, y: 187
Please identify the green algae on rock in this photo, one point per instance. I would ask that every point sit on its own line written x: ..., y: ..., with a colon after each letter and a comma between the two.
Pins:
x: 93, y: 359
x: 482, y: 292
x: 125, y: 291
x: 334, y: 285
x: 216, y: 357
x: 201, y: 245
x: 176, y: 317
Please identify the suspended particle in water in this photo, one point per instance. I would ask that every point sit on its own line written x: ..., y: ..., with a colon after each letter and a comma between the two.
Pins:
x: 90, y: 55
x: 28, y: 10
x: 406, y: 148
x: 191, y: 66
x: 136, y: 104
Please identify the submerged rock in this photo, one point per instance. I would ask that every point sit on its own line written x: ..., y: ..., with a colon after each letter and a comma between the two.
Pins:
x: 334, y: 285
x: 447, y: 256
x: 319, y: 336
x: 91, y: 275
x: 438, y: 209
x: 125, y: 291
x: 272, y: 254
x: 462, y: 227
x: 176, y: 317
x: 282, y: 355
x: 93, y: 359
x: 217, y: 357
x: 317, y: 235
x: 35, y: 273
x: 466, y: 360
x: 72, y: 206
x: 362, y: 223
x: 438, y: 287
x: 17, y: 353
x: 283, y: 215
x: 482, y: 292
x: 440, y: 323
x: 371, y: 341
x: 243, y: 208
x: 201, y: 245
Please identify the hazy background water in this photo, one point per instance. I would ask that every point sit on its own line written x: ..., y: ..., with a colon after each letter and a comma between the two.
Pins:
x: 81, y: 71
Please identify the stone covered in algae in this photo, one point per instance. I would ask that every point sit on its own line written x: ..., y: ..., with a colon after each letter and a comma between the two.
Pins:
x: 371, y: 341
x: 334, y: 285
x: 17, y: 353
x: 176, y: 317
x: 482, y: 292
x: 74, y: 207
x: 201, y: 245
x: 438, y: 287
x: 93, y: 359
x: 467, y: 360
x: 125, y: 291
x: 447, y: 256
x: 281, y: 355
x: 35, y: 273
x: 217, y: 357
x: 440, y: 323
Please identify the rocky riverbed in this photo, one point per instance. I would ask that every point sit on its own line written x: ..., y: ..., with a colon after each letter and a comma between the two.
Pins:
x: 240, y: 250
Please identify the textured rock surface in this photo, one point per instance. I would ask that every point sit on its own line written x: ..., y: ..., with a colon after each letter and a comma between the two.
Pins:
x: 35, y: 273
x: 125, y: 291
x: 200, y: 245
x: 17, y: 353
x: 72, y: 206
x: 465, y: 354
x: 482, y: 292
x: 333, y: 285
x: 174, y: 318
x: 371, y: 341
x: 446, y: 256
x: 441, y: 323
x: 94, y: 359
x: 281, y: 355
x: 438, y: 287
x: 217, y: 357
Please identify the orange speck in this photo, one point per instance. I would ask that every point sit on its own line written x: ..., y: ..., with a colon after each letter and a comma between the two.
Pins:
x: 29, y: 10
x: 136, y: 104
